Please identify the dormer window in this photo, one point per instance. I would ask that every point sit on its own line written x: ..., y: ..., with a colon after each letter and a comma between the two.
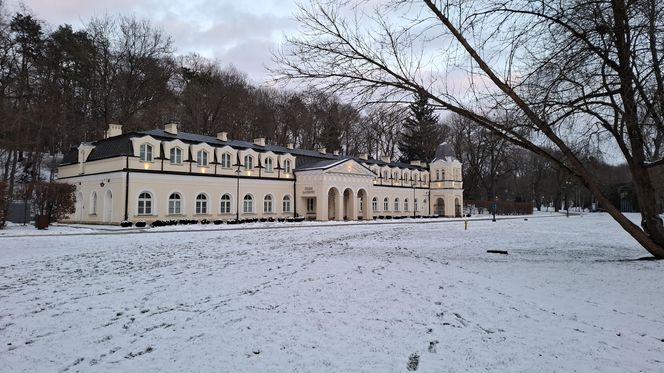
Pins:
x: 226, y: 160
x: 146, y: 153
x: 268, y: 165
x: 287, y: 166
x: 176, y: 156
x: 201, y: 158
x: 248, y: 162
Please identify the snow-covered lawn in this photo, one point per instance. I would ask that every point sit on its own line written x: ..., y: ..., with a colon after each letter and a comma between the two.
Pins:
x: 349, y: 298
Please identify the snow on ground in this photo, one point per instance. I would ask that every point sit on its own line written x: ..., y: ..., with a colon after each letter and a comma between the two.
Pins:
x: 352, y: 298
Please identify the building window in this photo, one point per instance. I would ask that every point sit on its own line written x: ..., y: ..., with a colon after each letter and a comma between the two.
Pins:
x: 145, y: 204
x: 248, y: 162
x: 201, y: 158
x: 287, y: 166
x: 374, y: 204
x: 385, y: 175
x: 146, y: 153
x: 226, y: 160
x: 267, y: 204
x: 437, y: 174
x: 442, y: 174
x: 405, y: 204
x: 311, y: 205
x: 287, y: 203
x: 93, y: 203
x: 386, y: 204
x: 248, y: 204
x: 268, y: 165
x: 175, y: 204
x: 225, y: 204
x: 415, y: 204
x: 201, y: 204
x: 396, y: 204
x: 361, y: 207
x: 176, y: 156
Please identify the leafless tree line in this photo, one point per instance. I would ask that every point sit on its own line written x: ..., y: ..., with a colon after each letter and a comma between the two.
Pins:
x: 548, y: 77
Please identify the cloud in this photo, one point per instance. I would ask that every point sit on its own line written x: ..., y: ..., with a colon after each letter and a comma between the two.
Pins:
x: 238, y: 33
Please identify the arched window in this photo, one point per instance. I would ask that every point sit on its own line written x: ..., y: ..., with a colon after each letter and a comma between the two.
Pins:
x: 442, y: 174
x: 405, y: 204
x: 268, y: 165
x: 374, y: 204
x: 226, y: 160
x: 386, y: 204
x: 415, y: 204
x: 225, y: 204
x: 93, y: 203
x: 202, y: 158
x: 248, y: 162
x: 267, y: 204
x: 437, y: 174
x: 175, y: 203
x: 396, y: 204
x: 287, y: 203
x: 145, y: 203
x: 201, y: 204
x: 176, y: 156
x: 248, y: 204
x: 146, y: 153
x: 287, y: 166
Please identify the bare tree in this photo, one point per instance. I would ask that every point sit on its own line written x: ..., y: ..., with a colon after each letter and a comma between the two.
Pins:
x: 567, y: 70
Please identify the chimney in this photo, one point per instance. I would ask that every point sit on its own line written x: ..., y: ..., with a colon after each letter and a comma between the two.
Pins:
x: 290, y: 145
x: 171, y: 128
x: 364, y: 156
x: 385, y: 159
x: 223, y: 136
x: 114, y: 130
x: 323, y: 150
x: 260, y: 141
x: 336, y: 152
x: 416, y: 163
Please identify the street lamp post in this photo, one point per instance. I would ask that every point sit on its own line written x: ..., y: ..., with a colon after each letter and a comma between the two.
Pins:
x: 495, y: 206
x: 567, y: 183
x: 414, y: 183
x: 237, y: 195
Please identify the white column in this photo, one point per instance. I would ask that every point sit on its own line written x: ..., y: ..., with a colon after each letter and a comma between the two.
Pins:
x: 321, y: 206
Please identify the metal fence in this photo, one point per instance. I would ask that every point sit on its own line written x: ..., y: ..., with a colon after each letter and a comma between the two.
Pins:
x: 502, y: 207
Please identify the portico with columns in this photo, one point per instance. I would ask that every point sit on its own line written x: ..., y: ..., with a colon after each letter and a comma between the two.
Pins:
x: 335, y: 190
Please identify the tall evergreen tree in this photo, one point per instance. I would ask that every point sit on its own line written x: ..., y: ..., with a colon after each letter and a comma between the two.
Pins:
x: 421, y: 132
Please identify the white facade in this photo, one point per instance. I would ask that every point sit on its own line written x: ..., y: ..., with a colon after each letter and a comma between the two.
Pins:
x: 161, y: 175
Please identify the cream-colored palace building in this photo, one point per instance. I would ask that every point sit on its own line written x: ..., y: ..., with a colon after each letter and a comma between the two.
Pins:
x: 166, y: 174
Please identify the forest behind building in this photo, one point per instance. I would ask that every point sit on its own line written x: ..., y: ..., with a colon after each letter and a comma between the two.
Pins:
x: 60, y: 86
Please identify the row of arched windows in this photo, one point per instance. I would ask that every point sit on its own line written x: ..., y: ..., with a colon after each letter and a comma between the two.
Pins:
x: 396, y: 204
x: 202, y: 159
x: 405, y: 176
x: 202, y: 206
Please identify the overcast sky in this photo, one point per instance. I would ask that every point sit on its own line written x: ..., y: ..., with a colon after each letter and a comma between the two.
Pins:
x: 242, y: 33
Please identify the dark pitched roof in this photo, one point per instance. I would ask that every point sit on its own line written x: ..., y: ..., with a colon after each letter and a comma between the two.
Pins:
x: 322, y: 165
x: 121, y: 145
x: 443, y: 151
x: 70, y: 157
x: 111, y: 147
